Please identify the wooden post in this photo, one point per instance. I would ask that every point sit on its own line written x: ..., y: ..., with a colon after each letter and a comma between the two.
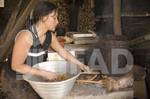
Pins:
x: 73, y: 15
x: 117, y: 17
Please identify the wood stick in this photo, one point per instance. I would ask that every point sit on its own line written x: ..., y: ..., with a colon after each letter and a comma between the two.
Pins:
x: 93, y: 77
x: 89, y: 81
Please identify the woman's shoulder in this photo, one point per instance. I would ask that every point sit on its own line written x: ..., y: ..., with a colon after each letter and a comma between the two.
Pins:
x: 25, y: 35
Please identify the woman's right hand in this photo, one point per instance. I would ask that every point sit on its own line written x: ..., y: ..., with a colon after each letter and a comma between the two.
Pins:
x: 49, y: 75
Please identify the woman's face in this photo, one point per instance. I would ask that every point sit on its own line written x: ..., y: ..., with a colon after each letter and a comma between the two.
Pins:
x: 52, y: 21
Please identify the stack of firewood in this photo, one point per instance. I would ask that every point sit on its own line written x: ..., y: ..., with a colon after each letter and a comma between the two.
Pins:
x: 63, y: 14
x: 86, y: 18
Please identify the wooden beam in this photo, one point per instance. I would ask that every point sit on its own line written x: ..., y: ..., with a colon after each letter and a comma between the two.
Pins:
x: 13, y: 31
x: 11, y: 21
x: 117, y: 17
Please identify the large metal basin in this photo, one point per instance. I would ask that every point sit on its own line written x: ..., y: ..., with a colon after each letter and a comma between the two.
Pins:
x: 54, y: 90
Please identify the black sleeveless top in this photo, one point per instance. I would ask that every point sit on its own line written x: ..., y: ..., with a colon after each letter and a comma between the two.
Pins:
x: 38, y: 52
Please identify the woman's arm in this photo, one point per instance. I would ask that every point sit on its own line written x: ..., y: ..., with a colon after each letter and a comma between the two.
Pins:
x: 65, y: 54
x: 20, y: 50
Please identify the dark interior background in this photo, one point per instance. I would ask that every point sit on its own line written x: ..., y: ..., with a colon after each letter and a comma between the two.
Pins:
x: 135, y: 23
x: 135, y: 17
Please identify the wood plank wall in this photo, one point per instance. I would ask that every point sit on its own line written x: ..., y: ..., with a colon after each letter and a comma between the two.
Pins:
x: 135, y: 17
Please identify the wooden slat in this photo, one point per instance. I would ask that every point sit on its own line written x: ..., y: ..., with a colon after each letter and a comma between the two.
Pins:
x: 139, y: 40
x: 13, y: 31
x: 11, y: 21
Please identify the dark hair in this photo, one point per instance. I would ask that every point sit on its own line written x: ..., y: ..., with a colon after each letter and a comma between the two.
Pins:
x: 42, y: 9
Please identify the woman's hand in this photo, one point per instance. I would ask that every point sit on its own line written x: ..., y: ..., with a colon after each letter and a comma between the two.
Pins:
x: 49, y: 75
x: 85, y: 68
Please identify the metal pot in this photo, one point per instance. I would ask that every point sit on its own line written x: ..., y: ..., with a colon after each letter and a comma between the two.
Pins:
x: 54, y: 90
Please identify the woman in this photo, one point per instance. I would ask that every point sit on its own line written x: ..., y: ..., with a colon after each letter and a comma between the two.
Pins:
x: 31, y: 45
x: 37, y: 39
